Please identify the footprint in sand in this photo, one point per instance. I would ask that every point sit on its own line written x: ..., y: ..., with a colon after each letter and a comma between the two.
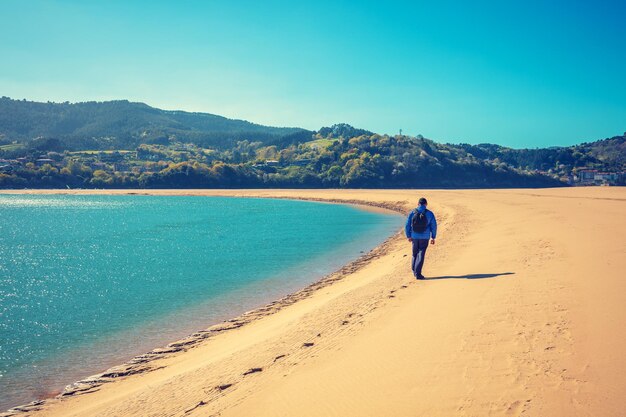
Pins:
x: 252, y: 371
x: 200, y: 404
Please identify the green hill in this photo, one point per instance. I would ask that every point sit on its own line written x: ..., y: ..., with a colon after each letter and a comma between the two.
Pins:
x: 606, y: 154
x: 124, y: 125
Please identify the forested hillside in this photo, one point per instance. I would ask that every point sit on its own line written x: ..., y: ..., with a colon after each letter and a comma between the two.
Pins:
x: 121, y: 144
x: 123, y: 125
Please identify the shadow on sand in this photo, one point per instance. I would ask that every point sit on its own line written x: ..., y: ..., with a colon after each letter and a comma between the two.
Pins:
x: 471, y: 276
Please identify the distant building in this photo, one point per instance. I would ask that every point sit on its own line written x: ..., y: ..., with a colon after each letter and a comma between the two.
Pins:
x: 587, y: 175
x: 55, y: 155
x: 110, y: 156
x: 302, y: 162
x: 595, y: 177
x: 97, y: 165
x: 121, y: 167
x: 43, y: 161
x: 606, y: 177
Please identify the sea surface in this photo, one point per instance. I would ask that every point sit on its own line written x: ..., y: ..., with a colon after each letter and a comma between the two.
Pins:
x: 87, y: 282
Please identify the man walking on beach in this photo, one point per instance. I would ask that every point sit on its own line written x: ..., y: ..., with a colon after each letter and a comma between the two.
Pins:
x: 421, y: 226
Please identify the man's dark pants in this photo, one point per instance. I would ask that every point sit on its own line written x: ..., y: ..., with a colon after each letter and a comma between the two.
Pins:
x: 419, y: 252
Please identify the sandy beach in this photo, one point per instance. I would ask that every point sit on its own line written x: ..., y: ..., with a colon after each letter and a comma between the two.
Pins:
x: 523, y: 314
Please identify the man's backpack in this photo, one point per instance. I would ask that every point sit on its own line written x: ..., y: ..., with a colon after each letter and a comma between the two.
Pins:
x: 419, y: 222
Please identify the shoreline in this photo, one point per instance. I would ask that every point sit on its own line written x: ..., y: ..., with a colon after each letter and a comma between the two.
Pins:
x: 140, y: 364
x: 511, y: 321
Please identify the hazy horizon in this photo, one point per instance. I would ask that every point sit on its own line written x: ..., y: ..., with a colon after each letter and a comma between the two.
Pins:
x: 523, y: 76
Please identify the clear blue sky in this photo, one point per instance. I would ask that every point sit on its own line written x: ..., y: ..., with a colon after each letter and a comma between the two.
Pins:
x: 522, y: 74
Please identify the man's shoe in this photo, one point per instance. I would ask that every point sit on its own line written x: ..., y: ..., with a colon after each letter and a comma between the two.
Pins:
x: 419, y: 276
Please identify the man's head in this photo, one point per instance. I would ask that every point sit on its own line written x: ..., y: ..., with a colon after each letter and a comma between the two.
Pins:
x: 422, y: 202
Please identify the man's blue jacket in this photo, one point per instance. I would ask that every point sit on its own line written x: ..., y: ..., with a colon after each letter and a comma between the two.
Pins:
x: 431, y: 228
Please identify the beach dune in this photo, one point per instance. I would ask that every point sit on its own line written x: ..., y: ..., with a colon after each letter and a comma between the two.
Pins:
x: 523, y: 314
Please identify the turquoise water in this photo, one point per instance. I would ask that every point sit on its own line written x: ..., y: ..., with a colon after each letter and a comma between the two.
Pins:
x: 87, y: 282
